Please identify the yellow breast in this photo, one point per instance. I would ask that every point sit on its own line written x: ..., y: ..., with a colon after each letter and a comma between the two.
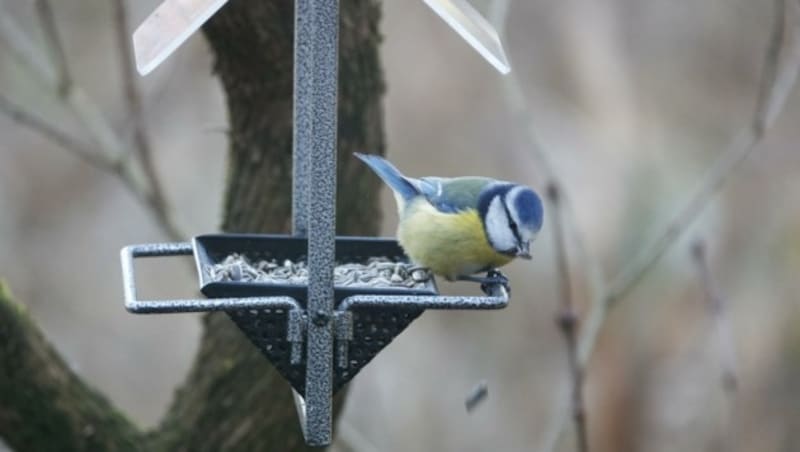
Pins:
x: 450, y: 244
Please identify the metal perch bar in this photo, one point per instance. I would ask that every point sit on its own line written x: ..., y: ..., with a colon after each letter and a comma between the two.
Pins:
x: 132, y: 304
x: 498, y: 300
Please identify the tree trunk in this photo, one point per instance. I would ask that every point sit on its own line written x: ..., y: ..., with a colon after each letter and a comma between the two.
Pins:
x: 232, y: 399
x: 43, y: 405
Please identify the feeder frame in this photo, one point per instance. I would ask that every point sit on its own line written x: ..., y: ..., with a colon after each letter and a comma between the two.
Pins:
x: 320, y: 324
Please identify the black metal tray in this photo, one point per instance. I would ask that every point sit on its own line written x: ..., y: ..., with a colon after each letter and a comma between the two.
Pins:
x: 214, y: 248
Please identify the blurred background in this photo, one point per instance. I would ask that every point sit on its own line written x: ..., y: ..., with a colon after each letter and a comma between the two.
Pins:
x: 632, y: 101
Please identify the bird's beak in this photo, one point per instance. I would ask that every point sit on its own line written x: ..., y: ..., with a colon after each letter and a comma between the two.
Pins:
x: 523, y: 250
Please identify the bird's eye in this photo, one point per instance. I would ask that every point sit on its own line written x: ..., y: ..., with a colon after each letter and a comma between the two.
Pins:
x: 513, y: 227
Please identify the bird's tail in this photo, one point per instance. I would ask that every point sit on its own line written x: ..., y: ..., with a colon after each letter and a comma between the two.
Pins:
x: 401, y: 185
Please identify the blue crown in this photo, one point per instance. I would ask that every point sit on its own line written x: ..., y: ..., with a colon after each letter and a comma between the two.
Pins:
x: 529, y: 209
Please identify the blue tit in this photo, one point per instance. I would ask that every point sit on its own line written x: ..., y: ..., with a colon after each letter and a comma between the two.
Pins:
x: 457, y: 227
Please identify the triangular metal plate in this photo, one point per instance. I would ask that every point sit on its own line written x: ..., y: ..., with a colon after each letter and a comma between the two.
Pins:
x: 373, y: 330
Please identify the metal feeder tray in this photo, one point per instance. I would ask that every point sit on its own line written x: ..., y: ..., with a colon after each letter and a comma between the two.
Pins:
x: 274, y: 316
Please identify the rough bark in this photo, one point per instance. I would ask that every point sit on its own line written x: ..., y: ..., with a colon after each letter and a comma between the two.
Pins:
x: 252, y: 41
x: 232, y: 398
x: 43, y: 404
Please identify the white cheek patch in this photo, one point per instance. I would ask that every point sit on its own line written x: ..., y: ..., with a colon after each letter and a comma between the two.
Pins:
x: 501, y: 237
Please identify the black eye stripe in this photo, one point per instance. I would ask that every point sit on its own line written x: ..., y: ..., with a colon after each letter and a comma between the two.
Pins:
x: 512, y: 223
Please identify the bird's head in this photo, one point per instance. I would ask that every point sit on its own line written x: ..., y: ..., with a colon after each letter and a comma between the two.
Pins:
x: 512, y: 216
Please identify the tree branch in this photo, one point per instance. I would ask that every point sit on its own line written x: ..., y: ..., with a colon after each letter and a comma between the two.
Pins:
x: 782, y: 61
x: 721, y: 335
x: 51, y: 133
x: 781, y: 64
x: 567, y: 320
x: 233, y: 398
x: 156, y: 197
x: 43, y: 404
x: 717, y: 309
x: 520, y: 107
x: 45, y: 11
x: 52, y: 72
x: 564, y: 225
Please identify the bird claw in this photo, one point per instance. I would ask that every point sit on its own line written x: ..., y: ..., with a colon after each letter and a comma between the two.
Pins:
x: 493, y: 277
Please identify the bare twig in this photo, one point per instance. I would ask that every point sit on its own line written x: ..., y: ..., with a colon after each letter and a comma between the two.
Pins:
x: 567, y: 320
x: 134, y: 99
x: 519, y: 106
x: 43, y: 72
x: 721, y: 323
x: 42, y: 127
x: 156, y: 199
x: 722, y: 336
x: 516, y: 100
x: 778, y: 77
x: 82, y: 151
x: 112, y: 153
x: 45, y: 11
x: 23, y: 48
x: 781, y: 65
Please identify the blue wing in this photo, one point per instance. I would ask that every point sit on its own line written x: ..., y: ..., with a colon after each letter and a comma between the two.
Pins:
x: 400, y: 184
x: 451, y: 195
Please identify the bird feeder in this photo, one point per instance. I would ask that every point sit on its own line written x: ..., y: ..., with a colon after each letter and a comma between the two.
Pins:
x: 283, y: 291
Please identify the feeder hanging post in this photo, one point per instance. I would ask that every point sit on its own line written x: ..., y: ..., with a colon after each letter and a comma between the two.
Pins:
x: 316, y: 88
x: 302, y: 133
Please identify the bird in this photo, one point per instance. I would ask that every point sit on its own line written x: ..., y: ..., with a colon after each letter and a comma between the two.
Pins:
x: 459, y: 227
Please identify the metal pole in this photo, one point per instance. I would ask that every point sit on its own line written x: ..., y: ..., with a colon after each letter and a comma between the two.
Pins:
x: 323, y: 41
x: 303, y: 132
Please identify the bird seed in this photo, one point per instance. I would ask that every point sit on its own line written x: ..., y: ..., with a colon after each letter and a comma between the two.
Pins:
x: 378, y: 272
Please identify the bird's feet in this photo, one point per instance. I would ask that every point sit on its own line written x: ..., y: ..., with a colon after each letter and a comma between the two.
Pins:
x: 493, y: 277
